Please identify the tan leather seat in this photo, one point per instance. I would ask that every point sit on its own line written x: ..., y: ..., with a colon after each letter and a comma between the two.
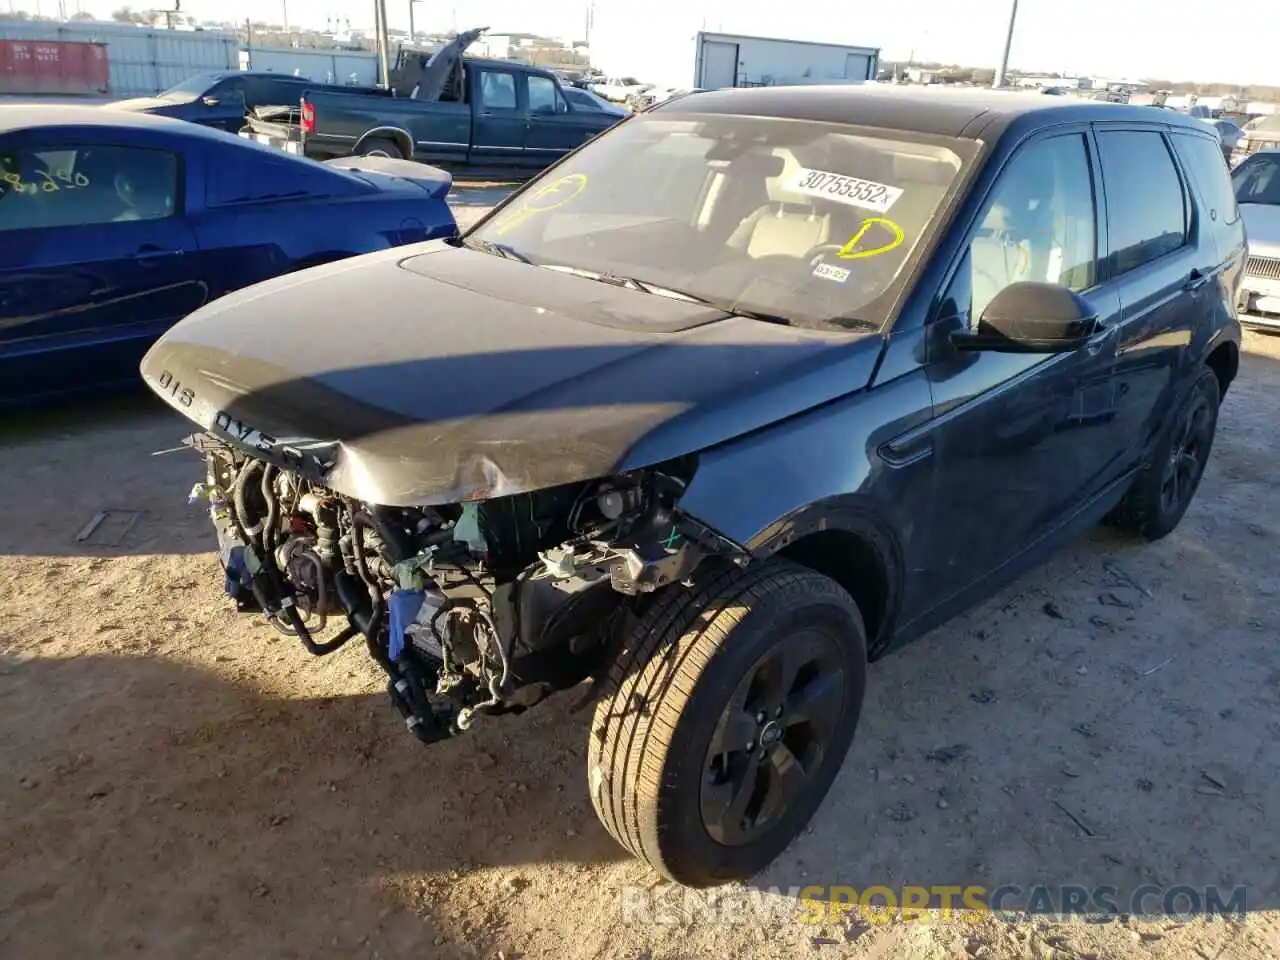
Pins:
x: 786, y: 225
x: 996, y: 261
x: 785, y: 230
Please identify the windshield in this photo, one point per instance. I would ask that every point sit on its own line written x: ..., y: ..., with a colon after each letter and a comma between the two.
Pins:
x: 193, y: 86
x: 588, y: 100
x: 1257, y: 180
x: 1265, y: 124
x: 810, y: 223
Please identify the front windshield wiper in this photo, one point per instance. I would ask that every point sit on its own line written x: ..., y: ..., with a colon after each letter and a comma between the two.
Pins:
x: 645, y: 286
x: 488, y: 246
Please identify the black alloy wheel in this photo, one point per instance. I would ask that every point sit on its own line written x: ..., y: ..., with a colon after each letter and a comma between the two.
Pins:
x: 727, y: 715
x: 774, y: 732
x: 1189, y: 454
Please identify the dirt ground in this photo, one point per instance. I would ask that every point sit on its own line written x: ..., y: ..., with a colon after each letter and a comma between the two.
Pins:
x: 180, y: 781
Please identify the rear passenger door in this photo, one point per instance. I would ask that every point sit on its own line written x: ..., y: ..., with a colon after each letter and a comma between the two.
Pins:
x: 498, y: 131
x: 1163, y: 262
x: 1021, y: 440
x: 1212, y: 182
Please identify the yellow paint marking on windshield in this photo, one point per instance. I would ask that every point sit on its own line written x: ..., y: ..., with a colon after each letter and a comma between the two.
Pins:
x: 555, y: 194
x: 52, y: 182
x: 850, y: 252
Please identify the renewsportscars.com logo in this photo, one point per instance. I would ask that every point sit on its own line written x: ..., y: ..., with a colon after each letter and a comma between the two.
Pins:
x: 672, y: 904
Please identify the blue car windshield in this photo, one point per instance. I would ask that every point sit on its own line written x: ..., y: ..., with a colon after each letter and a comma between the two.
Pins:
x: 810, y: 223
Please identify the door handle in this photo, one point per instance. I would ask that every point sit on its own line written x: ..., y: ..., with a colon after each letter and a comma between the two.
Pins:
x: 150, y: 256
x: 1196, y: 280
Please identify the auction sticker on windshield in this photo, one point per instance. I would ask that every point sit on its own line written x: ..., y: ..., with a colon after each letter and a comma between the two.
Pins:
x: 851, y: 190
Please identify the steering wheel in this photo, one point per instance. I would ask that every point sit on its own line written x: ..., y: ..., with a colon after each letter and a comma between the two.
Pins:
x: 822, y: 249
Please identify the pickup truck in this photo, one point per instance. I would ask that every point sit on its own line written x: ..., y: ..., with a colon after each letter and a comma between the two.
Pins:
x: 487, y: 113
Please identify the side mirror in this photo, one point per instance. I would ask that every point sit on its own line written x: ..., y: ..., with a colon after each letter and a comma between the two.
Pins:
x: 210, y: 101
x: 1031, y: 317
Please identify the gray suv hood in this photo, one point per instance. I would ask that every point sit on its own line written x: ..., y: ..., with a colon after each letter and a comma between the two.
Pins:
x: 435, y: 375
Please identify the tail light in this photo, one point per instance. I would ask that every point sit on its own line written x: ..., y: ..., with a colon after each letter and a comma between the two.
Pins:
x: 308, y: 117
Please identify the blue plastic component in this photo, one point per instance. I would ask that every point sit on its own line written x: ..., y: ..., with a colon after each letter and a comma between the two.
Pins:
x: 237, y: 573
x: 403, y: 606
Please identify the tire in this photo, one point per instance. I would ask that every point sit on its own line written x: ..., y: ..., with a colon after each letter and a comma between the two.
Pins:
x: 661, y: 763
x: 379, y: 147
x: 1151, y: 509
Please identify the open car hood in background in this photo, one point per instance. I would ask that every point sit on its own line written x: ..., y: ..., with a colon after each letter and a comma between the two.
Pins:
x: 436, y: 375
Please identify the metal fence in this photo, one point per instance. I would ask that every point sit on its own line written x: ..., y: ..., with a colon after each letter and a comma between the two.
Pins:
x: 141, y: 60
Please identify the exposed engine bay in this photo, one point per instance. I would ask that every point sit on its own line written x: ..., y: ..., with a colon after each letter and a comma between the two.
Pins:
x: 473, y: 608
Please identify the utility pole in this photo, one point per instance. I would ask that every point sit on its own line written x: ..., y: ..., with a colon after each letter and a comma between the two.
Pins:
x: 284, y: 12
x: 380, y: 27
x: 1008, y: 45
x: 413, y: 32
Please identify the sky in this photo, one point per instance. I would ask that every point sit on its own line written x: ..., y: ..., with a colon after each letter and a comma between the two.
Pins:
x: 1122, y: 39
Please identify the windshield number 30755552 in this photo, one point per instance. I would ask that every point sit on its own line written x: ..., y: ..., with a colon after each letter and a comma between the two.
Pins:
x: 843, y: 189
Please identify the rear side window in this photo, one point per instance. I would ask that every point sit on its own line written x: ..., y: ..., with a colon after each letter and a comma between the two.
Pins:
x: 1208, y: 169
x: 86, y: 185
x: 249, y: 175
x: 498, y: 90
x: 1146, y: 205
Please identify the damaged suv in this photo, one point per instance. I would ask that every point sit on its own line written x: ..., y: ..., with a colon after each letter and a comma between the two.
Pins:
x: 712, y: 412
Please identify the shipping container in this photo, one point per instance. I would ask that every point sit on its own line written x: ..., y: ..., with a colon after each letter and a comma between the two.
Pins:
x: 676, y: 50
x: 141, y: 60
x: 350, y: 67
x: 53, y: 67
x: 736, y: 60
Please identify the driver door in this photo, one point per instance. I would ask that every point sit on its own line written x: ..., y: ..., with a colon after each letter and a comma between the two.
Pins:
x: 88, y: 279
x: 1022, y: 440
x: 552, y: 130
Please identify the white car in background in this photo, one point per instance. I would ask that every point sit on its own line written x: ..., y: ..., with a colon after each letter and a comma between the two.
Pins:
x: 1257, y: 185
x: 617, y: 89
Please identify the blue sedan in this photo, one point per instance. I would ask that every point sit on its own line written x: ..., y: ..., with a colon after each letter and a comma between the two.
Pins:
x: 113, y: 226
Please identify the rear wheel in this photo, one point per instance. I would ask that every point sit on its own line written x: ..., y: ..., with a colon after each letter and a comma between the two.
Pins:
x: 379, y: 147
x: 1163, y: 491
x: 730, y: 712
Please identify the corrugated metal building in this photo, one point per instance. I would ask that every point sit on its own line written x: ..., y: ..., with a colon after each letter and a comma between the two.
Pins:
x: 357, y: 67
x: 141, y: 60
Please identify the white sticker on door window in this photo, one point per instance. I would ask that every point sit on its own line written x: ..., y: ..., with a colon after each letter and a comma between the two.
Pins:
x: 854, y: 191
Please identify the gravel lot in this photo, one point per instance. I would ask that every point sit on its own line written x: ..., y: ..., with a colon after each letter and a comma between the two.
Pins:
x: 179, y: 781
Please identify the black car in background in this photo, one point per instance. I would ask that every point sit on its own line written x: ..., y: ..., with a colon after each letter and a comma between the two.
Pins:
x: 220, y: 98
x: 752, y: 387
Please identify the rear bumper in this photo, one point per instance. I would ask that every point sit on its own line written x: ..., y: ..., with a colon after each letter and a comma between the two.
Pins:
x: 287, y: 144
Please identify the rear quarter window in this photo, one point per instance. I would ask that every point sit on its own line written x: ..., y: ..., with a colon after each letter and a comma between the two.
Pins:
x: 1207, y: 168
x: 251, y: 175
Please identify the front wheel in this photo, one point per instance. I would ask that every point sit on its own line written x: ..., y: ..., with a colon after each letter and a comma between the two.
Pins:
x: 1163, y: 491
x: 731, y: 709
